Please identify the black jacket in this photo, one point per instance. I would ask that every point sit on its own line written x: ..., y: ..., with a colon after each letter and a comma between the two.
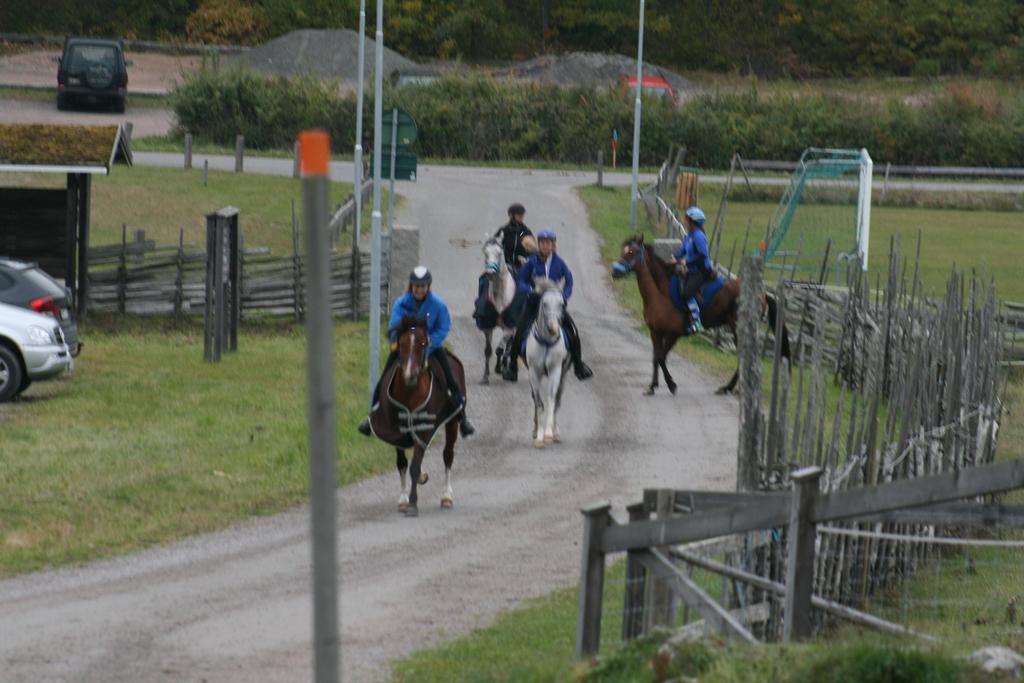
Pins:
x: 511, y: 237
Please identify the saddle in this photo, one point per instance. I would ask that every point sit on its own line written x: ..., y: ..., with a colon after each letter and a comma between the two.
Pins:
x: 486, y: 314
x: 707, y: 292
x: 402, y: 427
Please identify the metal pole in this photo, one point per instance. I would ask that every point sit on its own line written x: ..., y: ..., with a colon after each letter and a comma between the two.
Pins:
x: 358, y: 187
x: 636, y: 119
x: 391, y: 188
x: 315, y: 150
x: 378, y: 114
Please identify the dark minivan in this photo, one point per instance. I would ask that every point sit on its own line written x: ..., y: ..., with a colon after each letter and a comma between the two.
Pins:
x: 92, y: 70
x: 26, y: 285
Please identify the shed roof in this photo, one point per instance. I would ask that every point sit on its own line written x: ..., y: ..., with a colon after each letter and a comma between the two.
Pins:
x: 43, y: 148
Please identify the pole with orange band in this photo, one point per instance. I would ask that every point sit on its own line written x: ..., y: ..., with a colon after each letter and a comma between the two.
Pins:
x: 314, y: 154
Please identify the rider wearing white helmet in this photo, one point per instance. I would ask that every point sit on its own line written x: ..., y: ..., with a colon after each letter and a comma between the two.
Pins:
x: 420, y: 302
x: 546, y: 264
x: 694, y: 253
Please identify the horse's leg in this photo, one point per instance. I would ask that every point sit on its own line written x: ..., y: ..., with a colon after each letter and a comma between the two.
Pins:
x: 667, y: 342
x: 403, y: 466
x: 554, y: 383
x: 654, y: 344
x: 451, y: 435
x: 558, y: 401
x: 728, y: 387
x: 414, y: 475
x: 538, y: 404
x: 487, y: 356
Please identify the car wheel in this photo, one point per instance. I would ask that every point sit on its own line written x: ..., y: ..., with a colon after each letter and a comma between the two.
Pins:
x: 119, y: 105
x: 62, y: 101
x: 10, y: 374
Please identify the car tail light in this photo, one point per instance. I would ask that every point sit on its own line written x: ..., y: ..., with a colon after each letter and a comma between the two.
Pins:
x: 46, y: 304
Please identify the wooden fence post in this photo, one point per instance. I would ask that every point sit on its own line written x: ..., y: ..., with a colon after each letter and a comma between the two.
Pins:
x: 239, y: 147
x: 179, y: 293
x: 600, y: 168
x: 588, y: 617
x: 188, y: 151
x: 295, y: 165
x: 296, y: 268
x: 633, y: 616
x: 749, y: 353
x: 800, y: 555
x: 122, y: 271
x: 658, y: 609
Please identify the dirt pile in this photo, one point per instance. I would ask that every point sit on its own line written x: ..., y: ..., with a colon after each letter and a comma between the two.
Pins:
x: 330, y: 55
x: 589, y: 69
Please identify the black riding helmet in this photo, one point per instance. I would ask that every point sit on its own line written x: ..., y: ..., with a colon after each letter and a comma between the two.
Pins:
x: 420, y: 276
x: 515, y: 209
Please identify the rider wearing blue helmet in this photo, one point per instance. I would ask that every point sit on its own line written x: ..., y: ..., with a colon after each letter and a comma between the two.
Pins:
x: 546, y: 264
x: 420, y: 302
x: 695, y: 255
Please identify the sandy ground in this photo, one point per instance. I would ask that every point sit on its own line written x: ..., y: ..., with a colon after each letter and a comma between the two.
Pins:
x: 149, y: 73
x: 235, y: 606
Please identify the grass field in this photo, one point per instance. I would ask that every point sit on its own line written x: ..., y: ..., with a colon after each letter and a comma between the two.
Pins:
x: 164, y: 201
x: 145, y: 443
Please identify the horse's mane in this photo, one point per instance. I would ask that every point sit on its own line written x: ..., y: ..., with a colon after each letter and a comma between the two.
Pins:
x: 660, y: 269
x: 543, y: 285
x: 410, y: 322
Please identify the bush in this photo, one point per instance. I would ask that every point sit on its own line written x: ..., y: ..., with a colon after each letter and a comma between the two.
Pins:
x: 868, y: 663
x: 491, y: 120
x: 226, y: 22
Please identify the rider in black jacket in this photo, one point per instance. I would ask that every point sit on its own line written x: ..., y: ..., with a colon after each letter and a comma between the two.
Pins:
x: 511, y: 236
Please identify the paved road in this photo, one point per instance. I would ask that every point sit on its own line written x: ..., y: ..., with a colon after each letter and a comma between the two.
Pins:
x: 235, y: 606
x: 145, y: 120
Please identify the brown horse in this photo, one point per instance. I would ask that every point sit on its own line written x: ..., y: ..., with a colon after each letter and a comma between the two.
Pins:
x: 667, y: 323
x: 414, y: 405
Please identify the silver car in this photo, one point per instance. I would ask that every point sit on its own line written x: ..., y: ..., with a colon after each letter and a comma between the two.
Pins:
x: 32, y: 348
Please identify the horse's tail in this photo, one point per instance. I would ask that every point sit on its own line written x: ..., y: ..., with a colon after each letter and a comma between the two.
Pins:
x: 773, y: 316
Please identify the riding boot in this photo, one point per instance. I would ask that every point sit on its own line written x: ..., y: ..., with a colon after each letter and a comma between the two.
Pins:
x: 582, y: 370
x: 364, y: 426
x: 466, y: 427
x: 695, y: 323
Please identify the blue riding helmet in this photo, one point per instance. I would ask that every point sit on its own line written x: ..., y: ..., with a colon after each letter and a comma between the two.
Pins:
x: 547, y: 234
x: 695, y: 215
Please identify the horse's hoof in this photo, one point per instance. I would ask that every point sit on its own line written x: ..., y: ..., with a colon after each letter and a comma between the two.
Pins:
x: 538, y: 443
x: 557, y: 438
x: 424, y: 478
x: 723, y: 391
x: 549, y: 438
x: 649, y: 391
x: 672, y: 389
x: 485, y: 380
x: 447, y: 503
x: 403, y: 505
x: 412, y: 511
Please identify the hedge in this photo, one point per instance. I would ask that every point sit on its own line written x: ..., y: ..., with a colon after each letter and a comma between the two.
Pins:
x: 492, y: 120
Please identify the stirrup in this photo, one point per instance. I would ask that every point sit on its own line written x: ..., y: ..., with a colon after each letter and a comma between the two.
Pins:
x: 364, y: 427
x: 466, y: 427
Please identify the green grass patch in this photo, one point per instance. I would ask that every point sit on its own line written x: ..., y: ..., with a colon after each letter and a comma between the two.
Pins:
x: 163, y: 201
x: 49, y: 94
x: 145, y: 443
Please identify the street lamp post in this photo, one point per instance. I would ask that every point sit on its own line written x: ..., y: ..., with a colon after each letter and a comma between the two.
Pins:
x: 375, y: 256
x: 636, y: 120
x: 359, y: 125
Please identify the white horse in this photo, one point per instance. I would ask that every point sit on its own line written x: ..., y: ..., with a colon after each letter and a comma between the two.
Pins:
x: 501, y: 290
x: 547, y: 356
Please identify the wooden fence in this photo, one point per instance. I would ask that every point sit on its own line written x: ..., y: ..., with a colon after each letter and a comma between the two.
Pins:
x: 141, y: 277
x: 653, y: 555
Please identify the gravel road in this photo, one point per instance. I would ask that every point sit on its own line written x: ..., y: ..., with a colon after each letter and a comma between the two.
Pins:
x: 235, y: 605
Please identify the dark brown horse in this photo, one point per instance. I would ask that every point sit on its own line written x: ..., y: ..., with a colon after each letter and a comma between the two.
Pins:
x: 414, y: 406
x: 667, y: 323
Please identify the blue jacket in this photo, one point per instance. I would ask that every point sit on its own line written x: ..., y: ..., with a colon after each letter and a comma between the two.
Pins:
x: 432, y: 308
x: 534, y: 268
x: 694, y: 250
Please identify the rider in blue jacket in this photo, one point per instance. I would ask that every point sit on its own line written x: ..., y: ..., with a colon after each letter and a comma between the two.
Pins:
x: 420, y: 302
x: 694, y: 252
x: 546, y: 264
